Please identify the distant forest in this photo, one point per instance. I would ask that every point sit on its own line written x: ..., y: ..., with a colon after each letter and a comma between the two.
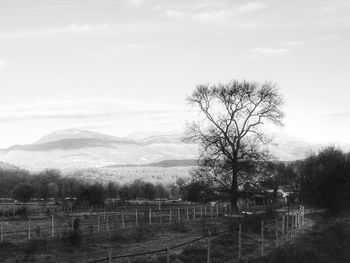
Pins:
x: 322, y: 179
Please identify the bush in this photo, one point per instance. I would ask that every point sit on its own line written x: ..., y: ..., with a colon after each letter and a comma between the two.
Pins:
x: 73, y: 237
x: 179, y: 227
x: 133, y: 234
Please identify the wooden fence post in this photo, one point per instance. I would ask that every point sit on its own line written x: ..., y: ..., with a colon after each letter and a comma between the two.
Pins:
x: 187, y: 218
x: 107, y: 223
x: 302, y: 216
x: 297, y: 222
x: 150, y: 216
x: 217, y: 210
x: 211, y: 212
x: 98, y: 222
x: 209, y: 248
x: 205, y: 211
x: 287, y: 228
x: 292, y: 226
x: 201, y: 212
x: 283, y: 229
x: 276, y: 231
x: 194, y: 212
x: 52, y: 226
x: 29, y: 234
x: 137, y: 223
x: 72, y: 224
x: 160, y: 216
x: 2, y: 230
x: 240, y: 241
x: 178, y: 215
x: 170, y: 215
x: 123, y: 222
x: 110, y: 255
x: 168, y: 252
x: 262, y: 237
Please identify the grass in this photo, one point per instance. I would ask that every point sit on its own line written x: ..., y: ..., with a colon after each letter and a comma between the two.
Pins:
x: 328, y: 242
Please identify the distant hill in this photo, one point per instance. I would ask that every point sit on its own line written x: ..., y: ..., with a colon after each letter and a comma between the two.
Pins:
x: 7, y: 166
x: 165, y: 163
x: 80, y: 149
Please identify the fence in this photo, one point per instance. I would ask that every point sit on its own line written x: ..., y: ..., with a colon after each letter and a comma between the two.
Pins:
x: 94, y: 221
x: 284, y: 229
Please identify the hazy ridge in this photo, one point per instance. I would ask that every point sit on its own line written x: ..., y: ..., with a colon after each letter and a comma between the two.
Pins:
x: 79, y: 149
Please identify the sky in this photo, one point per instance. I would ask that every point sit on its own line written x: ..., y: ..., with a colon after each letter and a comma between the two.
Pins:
x: 120, y: 66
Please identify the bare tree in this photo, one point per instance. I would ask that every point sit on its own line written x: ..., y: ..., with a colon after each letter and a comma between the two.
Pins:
x: 229, y: 132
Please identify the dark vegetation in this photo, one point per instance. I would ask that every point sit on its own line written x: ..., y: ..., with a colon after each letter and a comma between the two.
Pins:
x: 23, y: 186
x: 324, y: 179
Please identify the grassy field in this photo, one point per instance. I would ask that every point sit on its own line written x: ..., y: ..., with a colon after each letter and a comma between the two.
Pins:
x: 327, y: 242
x: 75, y: 246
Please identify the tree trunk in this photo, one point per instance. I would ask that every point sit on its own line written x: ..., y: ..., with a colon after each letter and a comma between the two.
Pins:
x: 234, y: 191
x: 234, y: 199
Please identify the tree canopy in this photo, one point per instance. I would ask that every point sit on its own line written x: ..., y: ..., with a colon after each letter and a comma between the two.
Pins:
x: 229, y: 130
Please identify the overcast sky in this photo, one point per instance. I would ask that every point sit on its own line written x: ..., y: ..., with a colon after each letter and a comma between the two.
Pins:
x: 118, y: 66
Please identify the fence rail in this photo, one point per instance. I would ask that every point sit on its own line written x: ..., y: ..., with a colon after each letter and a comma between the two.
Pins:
x: 291, y: 224
x: 94, y: 222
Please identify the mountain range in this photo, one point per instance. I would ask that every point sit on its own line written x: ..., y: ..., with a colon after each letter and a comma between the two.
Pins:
x: 82, y: 149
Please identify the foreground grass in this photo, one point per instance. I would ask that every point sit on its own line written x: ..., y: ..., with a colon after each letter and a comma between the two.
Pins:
x: 327, y: 242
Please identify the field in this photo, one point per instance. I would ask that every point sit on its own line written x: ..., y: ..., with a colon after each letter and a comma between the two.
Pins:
x: 125, y: 175
x: 87, y: 234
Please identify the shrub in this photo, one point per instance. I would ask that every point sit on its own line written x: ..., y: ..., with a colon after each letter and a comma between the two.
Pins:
x: 179, y: 227
x: 133, y: 234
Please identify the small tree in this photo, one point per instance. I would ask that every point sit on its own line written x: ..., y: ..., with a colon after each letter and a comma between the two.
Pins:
x: 23, y: 192
x: 149, y: 191
x: 112, y: 190
x: 229, y: 133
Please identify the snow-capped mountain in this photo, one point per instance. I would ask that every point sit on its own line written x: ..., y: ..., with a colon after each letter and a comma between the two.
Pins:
x: 78, y: 149
x: 69, y: 149
x: 70, y: 134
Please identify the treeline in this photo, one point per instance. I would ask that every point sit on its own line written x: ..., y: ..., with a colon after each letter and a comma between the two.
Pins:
x: 324, y: 179
x: 23, y: 186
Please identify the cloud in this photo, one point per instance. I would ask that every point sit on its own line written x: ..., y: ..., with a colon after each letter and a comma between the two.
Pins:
x: 84, y: 28
x: 250, y: 7
x: 88, y: 109
x: 337, y: 115
x: 294, y: 43
x: 136, y: 3
x: 109, y: 49
x: 223, y: 15
x: 217, y: 17
x: 175, y: 14
x: 2, y: 64
x: 330, y: 37
x: 268, y: 51
x: 72, y: 28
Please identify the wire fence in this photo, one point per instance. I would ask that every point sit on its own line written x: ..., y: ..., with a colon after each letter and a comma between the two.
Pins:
x: 273, y: 233
x: 96, y: 220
